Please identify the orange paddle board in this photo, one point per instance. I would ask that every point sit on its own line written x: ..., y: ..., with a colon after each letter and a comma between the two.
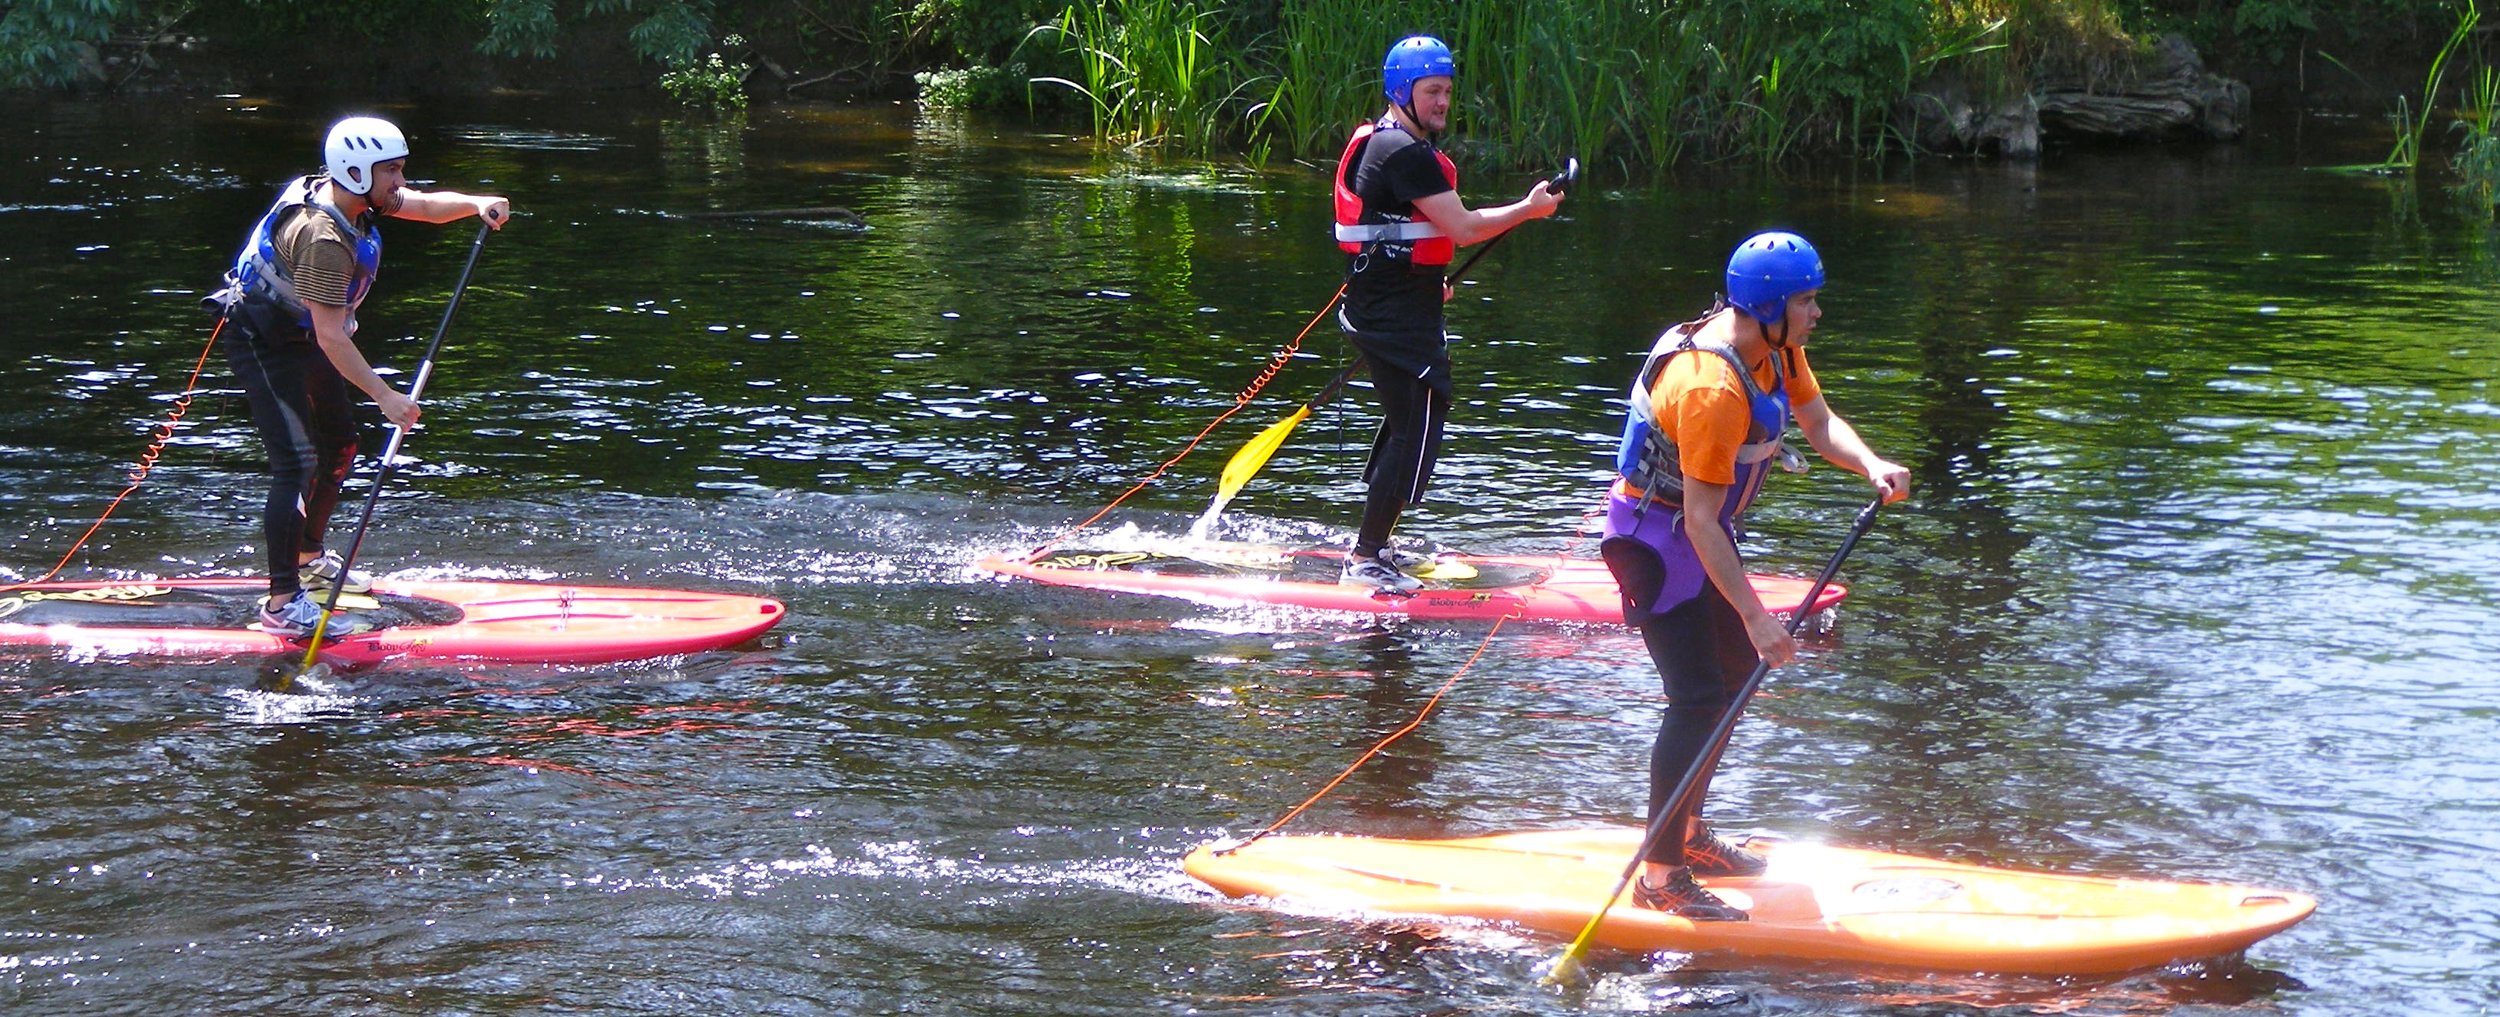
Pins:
x: 1815, y: 903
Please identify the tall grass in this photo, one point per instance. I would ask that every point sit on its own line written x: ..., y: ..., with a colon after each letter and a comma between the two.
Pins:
x: 2477, y: 161
x: 1155, y: 72
x: 1327, y: 79
x: 2410, y: 124
x: 2408, y: 151
x: 1636, y: 84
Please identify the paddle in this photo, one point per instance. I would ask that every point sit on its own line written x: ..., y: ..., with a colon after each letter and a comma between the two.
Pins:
x: 1254, y: 455
x: 390, y: 454
x: 1565, y: 965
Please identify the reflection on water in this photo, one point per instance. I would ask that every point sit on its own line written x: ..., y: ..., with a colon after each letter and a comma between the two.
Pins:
x: 2198, y: 582
x: 705, y: 153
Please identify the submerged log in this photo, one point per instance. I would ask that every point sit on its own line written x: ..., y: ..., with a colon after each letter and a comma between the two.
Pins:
x: 2167, y: 94
x: 827, y: 213
x: 2163, y: 93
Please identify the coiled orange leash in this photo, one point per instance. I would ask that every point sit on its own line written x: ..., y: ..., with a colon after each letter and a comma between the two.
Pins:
x: 147, y: 459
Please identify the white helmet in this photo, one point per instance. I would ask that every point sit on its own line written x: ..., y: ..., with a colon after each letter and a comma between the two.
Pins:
x: 355, y: 144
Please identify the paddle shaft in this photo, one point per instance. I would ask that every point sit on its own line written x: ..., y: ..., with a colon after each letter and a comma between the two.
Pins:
x: 390, y: 449
x: 1725, y: 729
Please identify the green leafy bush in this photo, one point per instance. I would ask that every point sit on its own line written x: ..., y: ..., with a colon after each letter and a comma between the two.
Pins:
x: 711, y: 83
x: 48, y: 42
x: 973, y: 87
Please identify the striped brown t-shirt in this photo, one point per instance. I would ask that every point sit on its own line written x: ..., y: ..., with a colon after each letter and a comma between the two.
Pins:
x: 318, y: 256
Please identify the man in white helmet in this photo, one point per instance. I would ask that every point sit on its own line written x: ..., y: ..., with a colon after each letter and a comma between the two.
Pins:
x: 290, y: 301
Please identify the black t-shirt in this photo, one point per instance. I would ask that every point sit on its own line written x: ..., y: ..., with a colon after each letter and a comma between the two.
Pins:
x: 1393, y: 305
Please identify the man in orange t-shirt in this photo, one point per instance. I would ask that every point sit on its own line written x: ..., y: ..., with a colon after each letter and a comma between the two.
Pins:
x: 1708, y: 412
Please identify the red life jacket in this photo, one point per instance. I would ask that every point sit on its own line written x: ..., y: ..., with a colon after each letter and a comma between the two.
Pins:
x: 1358, y: 231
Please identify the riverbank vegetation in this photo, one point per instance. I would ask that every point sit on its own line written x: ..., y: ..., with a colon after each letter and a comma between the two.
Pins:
x: 1635, y: 85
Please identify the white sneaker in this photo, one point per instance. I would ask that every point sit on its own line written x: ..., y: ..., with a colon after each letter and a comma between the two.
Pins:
x: 1406, y: 561
x: 297, y: 618
x: 319, y: 573
x: 1360, y: 571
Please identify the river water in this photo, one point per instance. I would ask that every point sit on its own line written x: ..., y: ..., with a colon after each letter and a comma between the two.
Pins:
x: 2201, y: 578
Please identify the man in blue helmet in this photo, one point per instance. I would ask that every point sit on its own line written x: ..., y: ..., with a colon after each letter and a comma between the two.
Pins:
x: 1399, y: 219
x: 1709, y: 409
x: 290, y: 301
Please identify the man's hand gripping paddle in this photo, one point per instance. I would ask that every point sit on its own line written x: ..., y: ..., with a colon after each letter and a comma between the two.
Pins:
x: 382, y: 475
x: 1253, y: 456
x: 1567, y: 966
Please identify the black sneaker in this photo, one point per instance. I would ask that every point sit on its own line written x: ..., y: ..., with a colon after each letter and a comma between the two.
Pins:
x: 1683, y: 898
x: 1712, y: 855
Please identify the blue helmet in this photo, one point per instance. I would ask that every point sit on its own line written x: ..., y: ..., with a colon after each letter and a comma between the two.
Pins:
x: 1767, y: 269
x: 1413, y: 59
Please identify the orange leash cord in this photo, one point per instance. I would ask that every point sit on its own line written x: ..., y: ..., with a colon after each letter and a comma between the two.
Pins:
x: 1577, y: 537
x: 147, y: 459
x: 1375, y: 750
x: 1275, y: 366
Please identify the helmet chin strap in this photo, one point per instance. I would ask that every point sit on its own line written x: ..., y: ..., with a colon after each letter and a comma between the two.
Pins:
x: 1412, y: 117
x: 1779, y: 345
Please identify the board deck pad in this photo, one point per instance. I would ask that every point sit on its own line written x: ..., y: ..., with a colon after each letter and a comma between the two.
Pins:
x: 150, y: 606
x: 1291, y: 567
x: 450, y: 619
x: 1461, y: 586
x: 1816, y: 903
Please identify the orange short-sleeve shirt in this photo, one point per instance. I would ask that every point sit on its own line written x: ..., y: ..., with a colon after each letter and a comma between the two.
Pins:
x: 1699, y: 404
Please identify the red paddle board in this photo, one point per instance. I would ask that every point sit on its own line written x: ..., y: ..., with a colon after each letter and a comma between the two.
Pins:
x: 485, y: 621
x: 1495, y: 586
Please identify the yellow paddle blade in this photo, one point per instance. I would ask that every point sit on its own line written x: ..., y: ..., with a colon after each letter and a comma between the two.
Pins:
x: 1446, y: 570
x: 1563, y: 971
x: 1246, y: 463
x: 1566, y: 969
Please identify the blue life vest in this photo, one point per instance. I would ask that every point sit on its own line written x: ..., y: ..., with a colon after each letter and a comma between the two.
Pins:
x: 1648, y: 459
x: 259, y: 275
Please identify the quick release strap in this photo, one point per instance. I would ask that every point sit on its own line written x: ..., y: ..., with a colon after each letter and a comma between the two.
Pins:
x: 1388, y: 232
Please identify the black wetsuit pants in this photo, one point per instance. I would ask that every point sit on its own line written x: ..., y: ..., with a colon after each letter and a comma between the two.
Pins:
x: 1703, y: 657
x: 1412, y: 414
x: 307, y: 424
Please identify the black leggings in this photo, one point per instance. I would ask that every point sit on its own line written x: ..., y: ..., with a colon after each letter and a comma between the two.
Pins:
x: 1703, y: 657
x: 1412, y: 413
x: 301, y: 406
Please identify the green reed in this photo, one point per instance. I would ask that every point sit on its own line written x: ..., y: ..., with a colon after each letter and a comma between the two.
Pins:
x: 1154, y: 72
x: 2408, y: 123
x: 1639, y: 84
x: 2477, y: 160
x: 1327, y: 79
x: 2410, y: 129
